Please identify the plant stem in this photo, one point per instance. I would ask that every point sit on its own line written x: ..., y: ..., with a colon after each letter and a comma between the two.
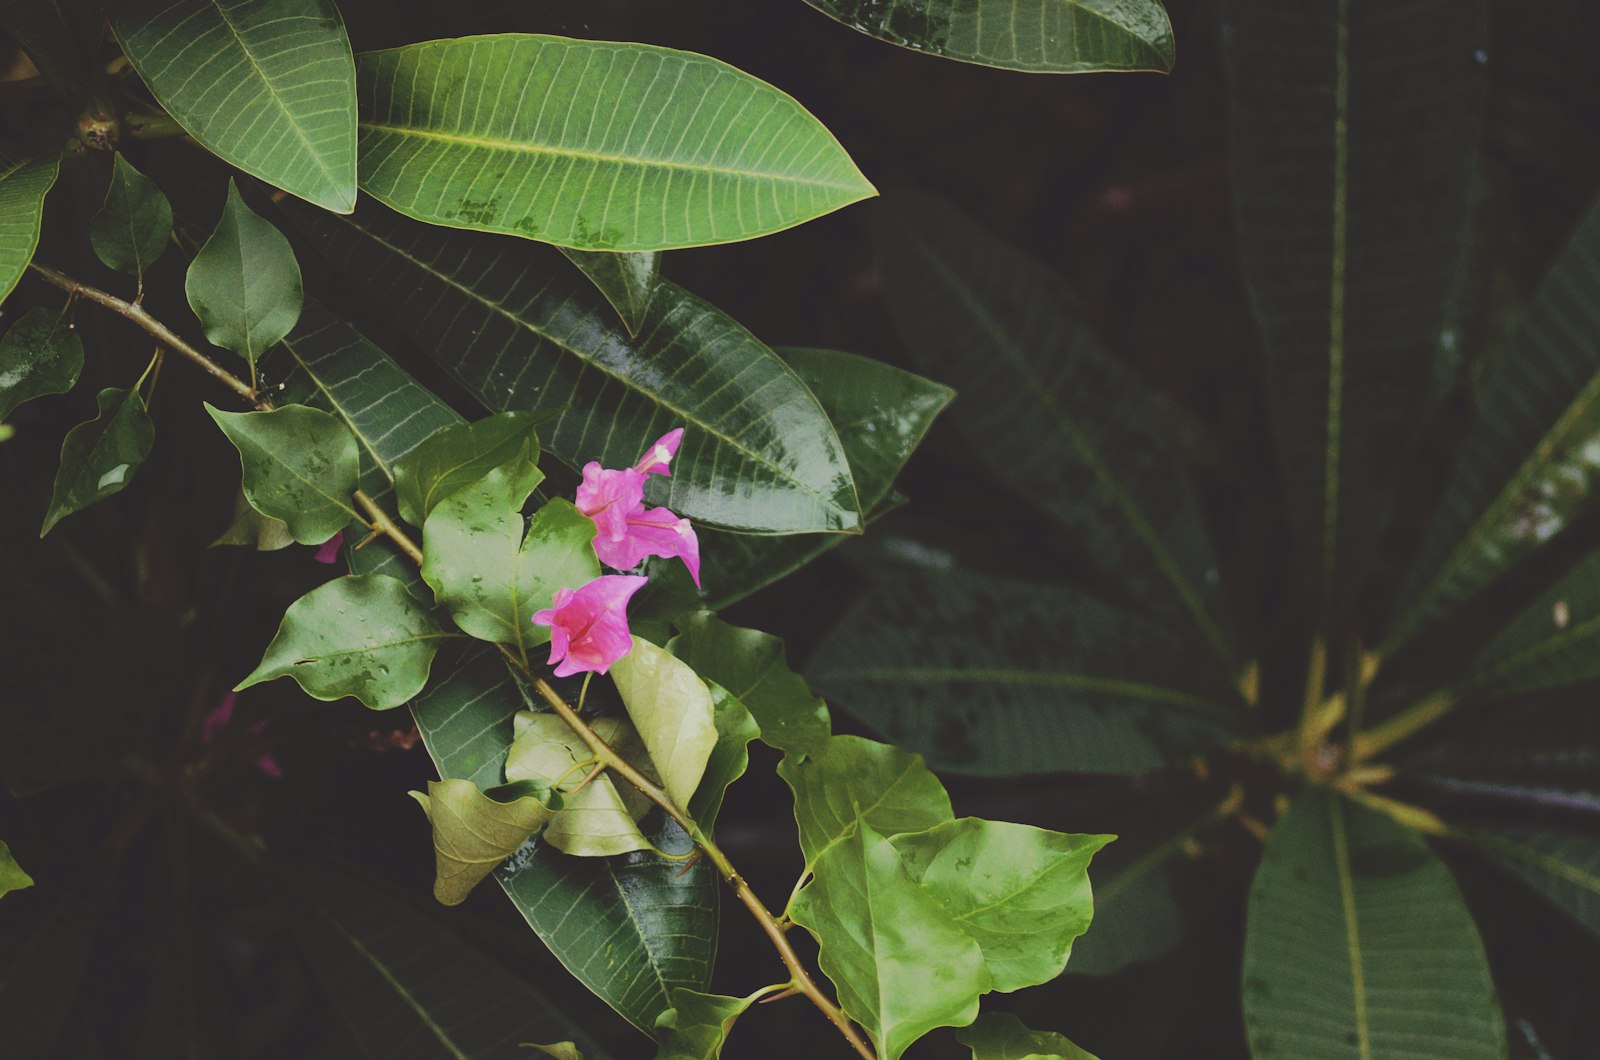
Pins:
x: 386, y: 526
x: 1402, y: 726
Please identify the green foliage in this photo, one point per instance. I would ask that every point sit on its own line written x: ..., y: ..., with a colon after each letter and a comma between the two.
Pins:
x: 457, y: 456
x: 24, y: 181
x: 100, y: 457
x: 244, y: 285
x: 597, y: 819
x: 1550, y: 644
x: 1563, y: 866
x: 671, y: 709
x: 854, y: 781
x: 12, y: 878
x: 729, y: 758
x: 133, y: 227
x: 474, y: 830
x: 697, y: 1025
x: 40, y: 354
x: 628, y: 280
x: 300, y: 466
x: 1001, y: 1036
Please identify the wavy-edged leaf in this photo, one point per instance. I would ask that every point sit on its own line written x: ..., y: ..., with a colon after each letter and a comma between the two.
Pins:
x: 628, y: 280
x: 729, y: 759
x: 1047, y: 407
x: 1564, y: 867
x: 996, y: 676
x: 301, y: 465
x: 265, y: 85
x: 1527, y: 467
x: 24, y: 181
x: 12, y: 877
x: 461, y: 454
x: 475, y: 830
x: 1354, y: 135
x: 132, y: 228
x: 659, y: 917
x: 99, y: 458
x: 598, y: 819
x: 697, y: 1026
x: 519, y: 330
x: 857, y: 781
x: 1001, y: 1036
x: 1555, y: 642
x: 671, y: 707
x: 1036, y: 36
x: 244, y: 284
x: 1358, y: 945
x: 592, y: 144
x: 40, y: 354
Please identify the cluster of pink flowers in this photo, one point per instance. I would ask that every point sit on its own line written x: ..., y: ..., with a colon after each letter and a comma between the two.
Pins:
x: 589, y: 625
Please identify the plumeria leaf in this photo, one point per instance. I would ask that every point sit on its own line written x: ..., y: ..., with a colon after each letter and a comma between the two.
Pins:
x: 627, y: 280
x: 697, y: 1025
x: 1001, y: 1036
x: 600, y: 820
x: 100, y: 458
x: 24, y: 181
x: 132, y: 228
x: 729, y: 759
x: 855, y: 780
x: 1563, y: 866
x: 12, y: 878
x: 254, y: 530
x: 475, y: 830
x: 459, y: 455
x: 244, y: 284
x: 1022, y: 893
x: 671, y: 708
x: 901, y: 964
x: 300, y: 466
x: 40, y: 354
x: 1552, y: 643
x: 362, y: 636
x: 752, y: 666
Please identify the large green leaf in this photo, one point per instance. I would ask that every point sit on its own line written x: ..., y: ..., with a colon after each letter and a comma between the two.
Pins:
x: 99, y: 458
x: 1358, y: 945
x: 601, y: 819
x: 592, y: 144
x: 1565, y: 867
x: 854, y: 781
x: 1038, y: 36
x: 627, y: 280
x: 132, y: 228
x: 1354, y: 135
x: 244, y: 284
x: 671, y: 707
x: 697, y: 1026
x: 519, y: 330
x: 301, y: 465
x: 24, y: 181
x: 1001, y: 1036
x: 40, y: 354
x: 475, y: 830
x: 1527, y: 466
x: 266, y: 85
x: 994, y: 676
x: 1555, y: 642
x: 729, y: 759
x: 459, y: 455
x: 1067, y: 424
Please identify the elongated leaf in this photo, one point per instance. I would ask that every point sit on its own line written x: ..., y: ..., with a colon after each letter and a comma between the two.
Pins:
x: 24, y: 182
x: 1039, y: 36
x: 475, y: 830
x: 1564, y: 867
x: 1527, y: 466
x: 40, y: 354
x: 697, y: 1025
x: 1553, y: 643
x: 244, y: 284
x: 627, y: 280
x: 1001, y: 1036
x: 300, y: 466
x: 1354, y: 138
x: 362, y: 636
x: 1055, y: 415
x: 597, y: 820
x: 854, y: 781
x: 902, y: 966
x: 459, y: 455
x: 520, y: 330
x: 729, y: 759
x: 266, y: 85
x: 99, y: 458
x: 985, y: 675
x: 1359, y: 945
x: 629, y: 147
x: 131, y: 230
x: 671, y: 708
x: 12, y: 878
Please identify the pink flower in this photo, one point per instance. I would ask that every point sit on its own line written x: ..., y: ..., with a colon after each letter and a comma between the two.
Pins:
x: 625, y: 530
x: 218, y: 717
x: 328, y: 551
x: 589, y: 626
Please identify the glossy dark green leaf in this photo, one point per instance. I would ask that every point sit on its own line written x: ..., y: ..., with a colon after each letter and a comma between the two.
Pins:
x: 363, y: 636
x: 1038, y: 36
x: 300, y: 466
x: 672, y: 710
x: 1001, y: 1036
x: 628, y: 280
x: 853, y: 781
x: 729, y: 759
x: 1563, y: 866
x: 1527, y: 466
x: 99, y: 458
x: 1021, y: 893
x: 995, y: 676
x: 460, y: 455
x: 475, y: 830
x: 1555, y: 642
x: 132, y: 228
x: 265, y: 85
x: 1042, y: 402
x: 630, y: 148
x: 12, y: 878
x: 1358, y: 945
x: 244, y: 285
x: 901, y: 964
x: 753, y: 667
x: 697, y: 1026
x: 1354, y: 136
x: 24, y: 181
x: 520, y: 330
x: 40, y: 354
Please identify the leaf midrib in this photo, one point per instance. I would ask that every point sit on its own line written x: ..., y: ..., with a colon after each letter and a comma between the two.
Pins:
x: 1352, y: 927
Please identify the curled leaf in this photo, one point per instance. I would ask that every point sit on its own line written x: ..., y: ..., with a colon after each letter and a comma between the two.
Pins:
x: 597, y: 819
x: 474, y: 830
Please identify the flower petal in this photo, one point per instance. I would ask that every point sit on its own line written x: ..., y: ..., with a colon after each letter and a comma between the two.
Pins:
x: 607, y: 496
x: 657, y: 460
x: 589, y: 625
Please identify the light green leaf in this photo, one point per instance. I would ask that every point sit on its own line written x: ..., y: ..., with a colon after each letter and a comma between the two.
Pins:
x: 1564, y: 867
x: 99, y: 458
x: 132, y: 228
x: 300, y: 466
x: 12, y: 878
x: 1358, y: 945
x: 244, y: 285
x: 362, y: 636
x: 1037, y: 36
x: 627, y: 280
x: 671, y: 708
x: 1552, y: 643
x: 1021, y: 893
x: 475, y: 830
x: 559, y: 1050
x: 729, y: 759
x: 1349, y: 224
x: 600, y: 820
x: 40, y: 354
x: 520, y: 330
x: 997, y: 676
x: 1001, y: 1036
x: 752, y: 666
x: 24, y: 181
x: 901, y: 965
x: 265, y: 85
x: 697, y: 1025
x: 854, y: 780
x: 461, y: 454
x: 630, y: 146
